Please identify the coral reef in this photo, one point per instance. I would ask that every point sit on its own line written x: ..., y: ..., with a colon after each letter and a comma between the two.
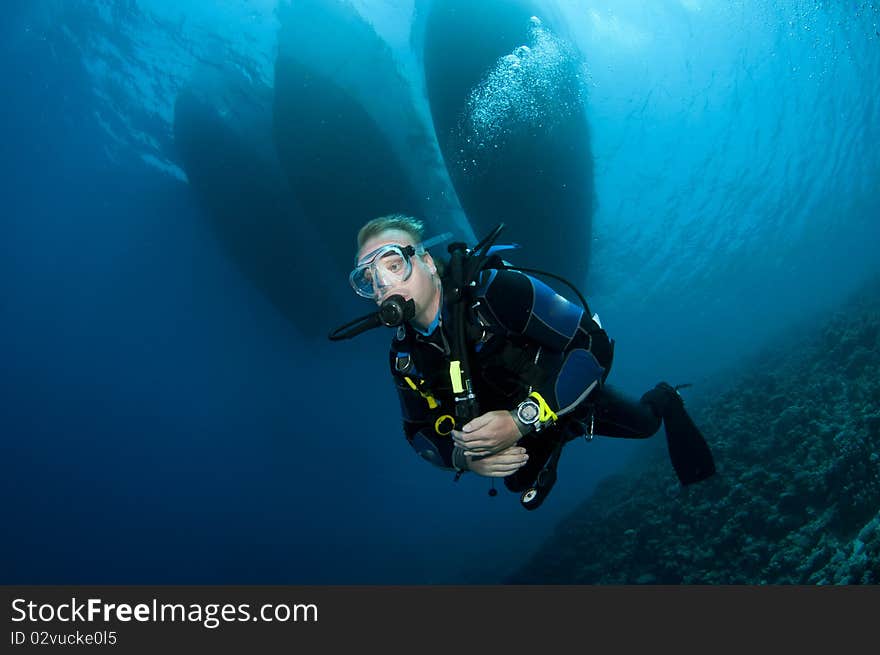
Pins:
x: 797, y: 496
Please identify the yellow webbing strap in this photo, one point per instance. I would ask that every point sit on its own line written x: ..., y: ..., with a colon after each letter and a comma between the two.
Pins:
x: 432, y: 402
x: 546, y: 414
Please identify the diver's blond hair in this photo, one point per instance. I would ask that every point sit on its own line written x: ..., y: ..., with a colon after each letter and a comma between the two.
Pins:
x: 409, y: 224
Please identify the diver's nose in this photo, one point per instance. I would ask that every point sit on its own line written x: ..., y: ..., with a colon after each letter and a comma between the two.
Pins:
x: 382, y: 291
x: 379, y: 290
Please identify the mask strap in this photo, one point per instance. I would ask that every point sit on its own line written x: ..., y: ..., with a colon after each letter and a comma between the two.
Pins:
x: 433, y: 241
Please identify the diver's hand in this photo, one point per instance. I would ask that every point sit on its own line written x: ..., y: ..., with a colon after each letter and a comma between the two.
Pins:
x: 499, y: 465
x: 487, y: 434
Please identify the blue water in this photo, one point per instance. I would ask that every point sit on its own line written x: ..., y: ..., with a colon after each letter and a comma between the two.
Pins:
x: 162, y: 422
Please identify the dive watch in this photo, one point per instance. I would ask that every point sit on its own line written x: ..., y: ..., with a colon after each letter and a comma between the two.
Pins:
x: 528, y: 412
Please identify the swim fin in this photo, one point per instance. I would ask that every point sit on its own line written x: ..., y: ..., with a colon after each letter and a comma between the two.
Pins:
x: 535, y: 480
x: 533, y: 497
x: 688, y: 450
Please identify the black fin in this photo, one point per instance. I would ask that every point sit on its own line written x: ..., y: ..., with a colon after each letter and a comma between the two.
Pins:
x: 688, y: 450
x: 535, y: 480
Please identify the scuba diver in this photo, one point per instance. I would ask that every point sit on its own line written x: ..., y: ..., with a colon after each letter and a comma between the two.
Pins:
x: 495, y: 371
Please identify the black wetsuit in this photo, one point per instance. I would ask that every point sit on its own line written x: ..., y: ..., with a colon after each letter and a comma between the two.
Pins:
x: 522, y: 337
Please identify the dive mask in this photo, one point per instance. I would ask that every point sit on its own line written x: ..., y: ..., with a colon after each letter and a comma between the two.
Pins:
x: 388, y: 266
x: 385, y: 267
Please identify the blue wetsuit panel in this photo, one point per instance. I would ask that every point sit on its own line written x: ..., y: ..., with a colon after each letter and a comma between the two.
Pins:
x: 579, y: 371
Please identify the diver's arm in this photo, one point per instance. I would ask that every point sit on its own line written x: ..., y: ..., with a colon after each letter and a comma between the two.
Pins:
x: 443, y: 452
x: 501, y: 464
x: 525, y: 306
x: 420, y: 431
x: 569, y: 338
x: 437, y: 450
x: 489, y: 433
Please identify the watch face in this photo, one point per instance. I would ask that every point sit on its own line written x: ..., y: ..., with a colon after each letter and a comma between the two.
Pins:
x: 528, y: 412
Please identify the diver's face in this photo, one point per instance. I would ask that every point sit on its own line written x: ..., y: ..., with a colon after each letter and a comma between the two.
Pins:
x: 421, y: 284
